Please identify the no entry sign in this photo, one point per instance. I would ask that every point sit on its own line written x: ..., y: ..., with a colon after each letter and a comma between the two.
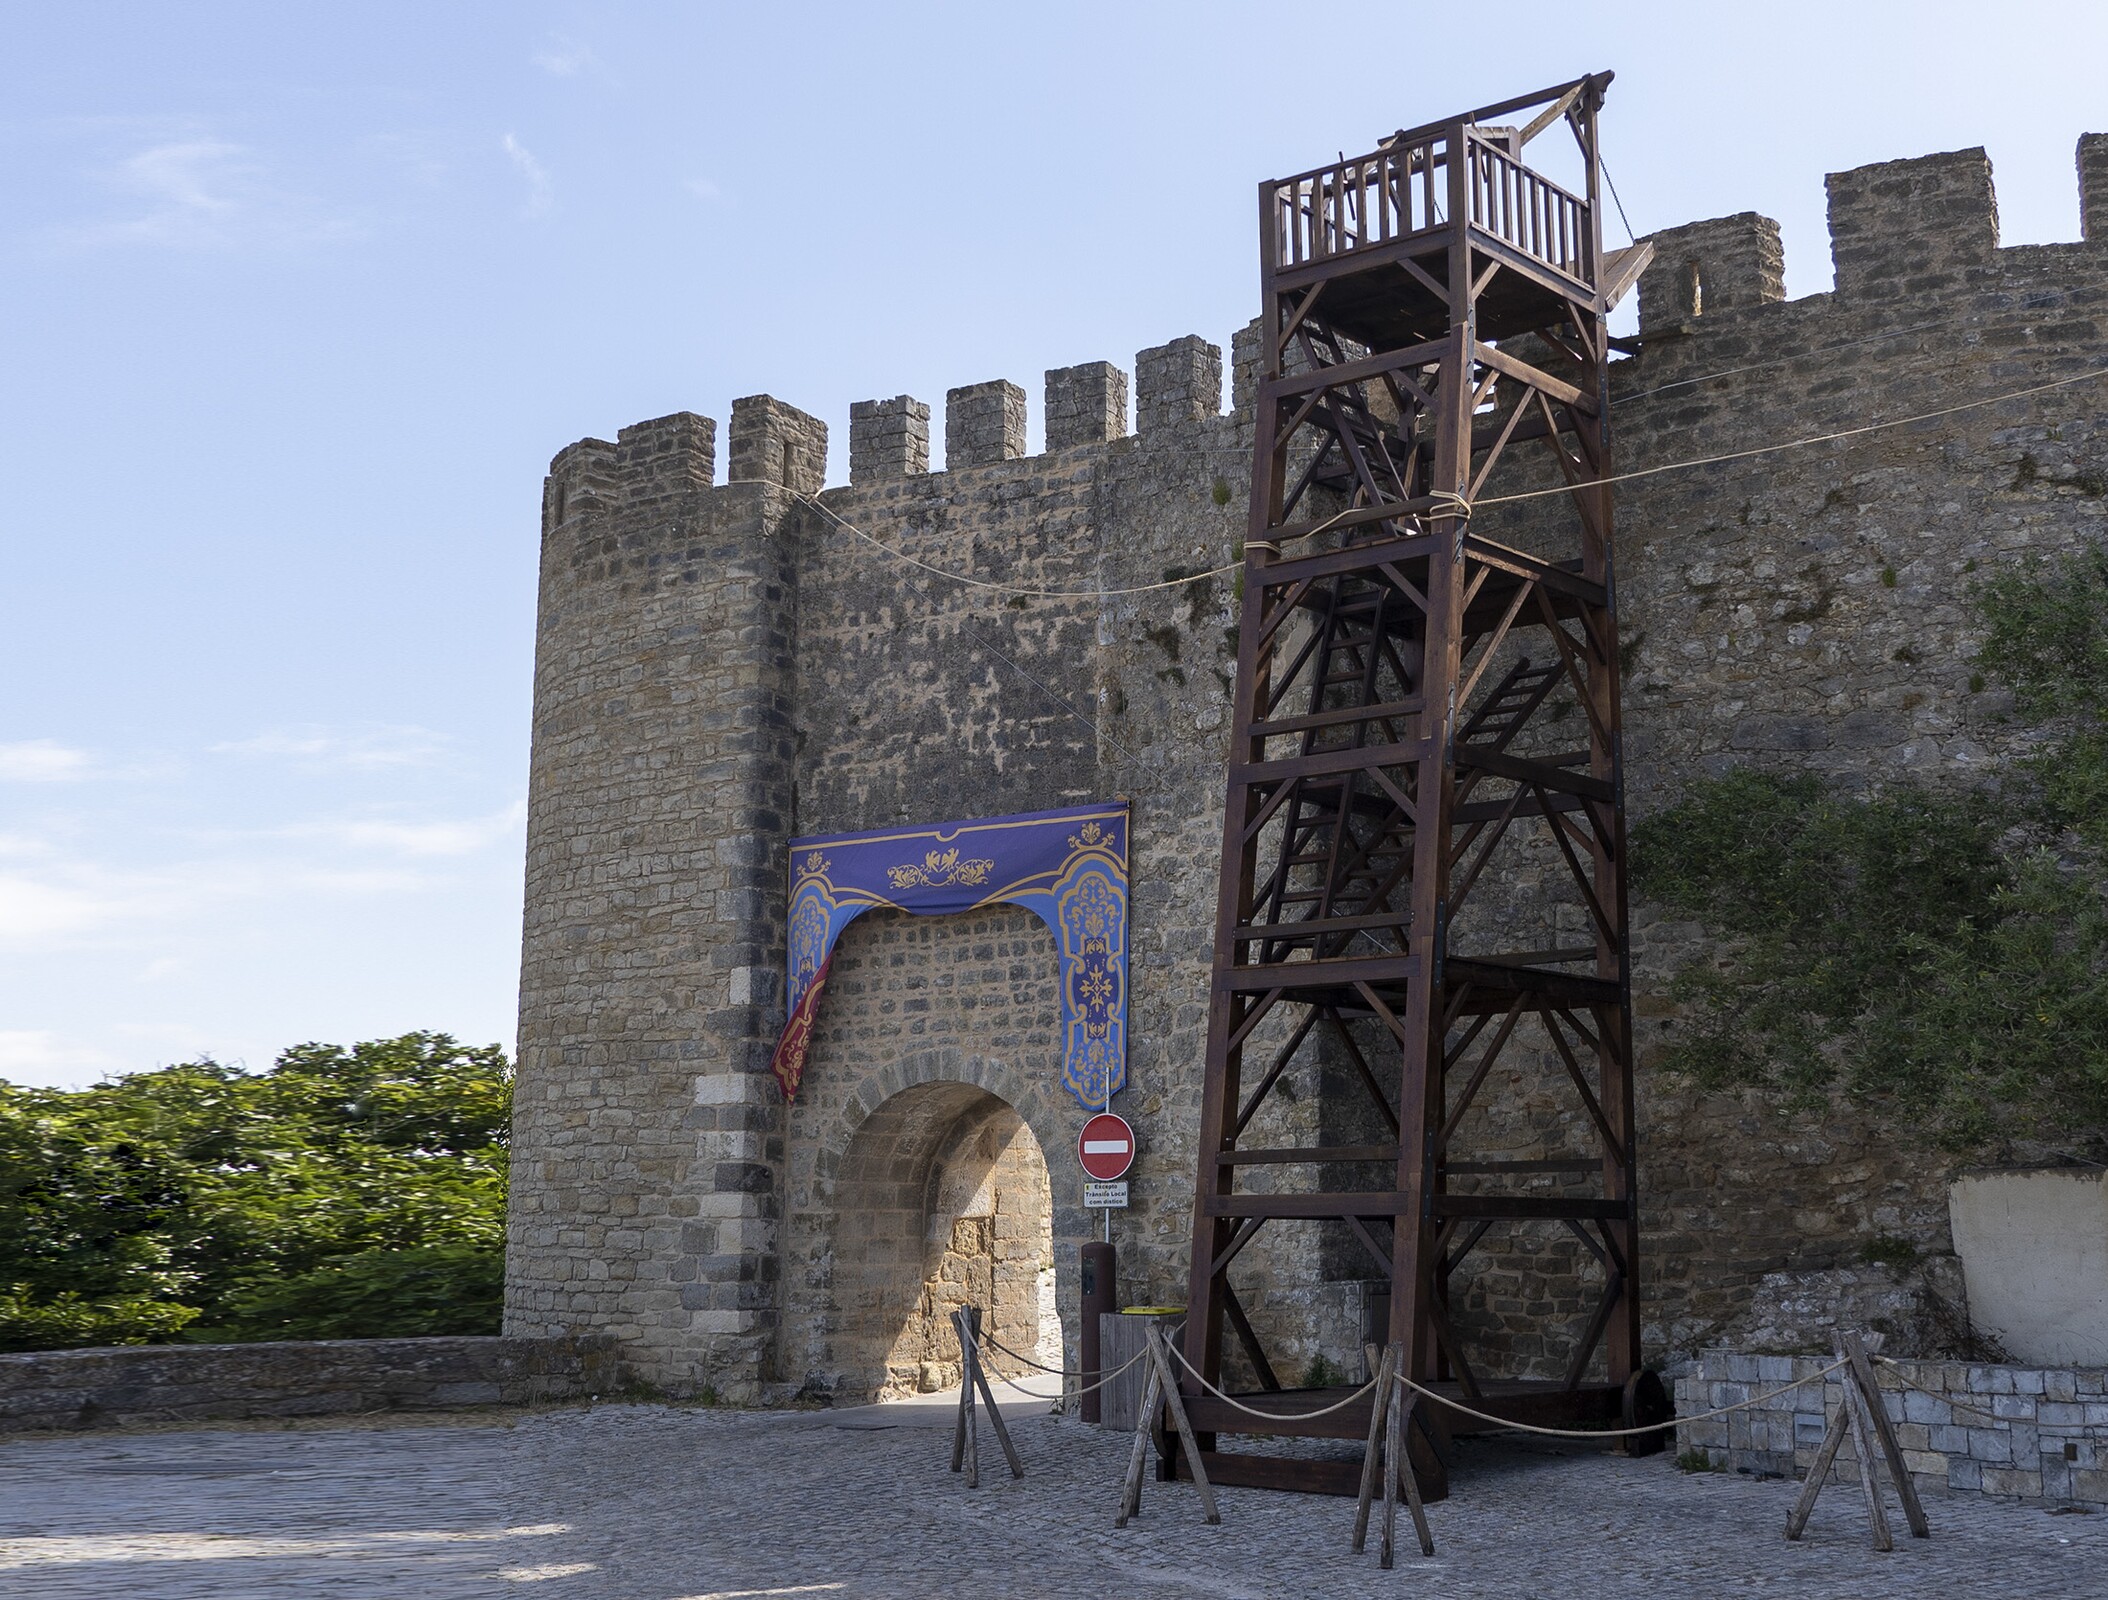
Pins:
x: 1106, y: 1147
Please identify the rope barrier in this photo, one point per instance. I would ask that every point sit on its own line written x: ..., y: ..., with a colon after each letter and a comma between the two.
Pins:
x: 1270, y: 1416
x: 1581, y: 1433
x: 1950, y: 1404
x: 1060, y: 1372
x: 1505, y: 1423
x: 1621, y: 1433
x: 1066, y: 1394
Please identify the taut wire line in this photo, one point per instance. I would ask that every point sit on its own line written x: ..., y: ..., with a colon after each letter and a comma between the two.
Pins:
x: 1795, y: 444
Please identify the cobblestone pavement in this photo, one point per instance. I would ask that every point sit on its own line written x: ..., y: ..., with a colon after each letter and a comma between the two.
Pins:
x: 647, y: 1503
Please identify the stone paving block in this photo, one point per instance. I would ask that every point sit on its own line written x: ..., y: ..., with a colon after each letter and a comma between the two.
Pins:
x: 647, y: 1503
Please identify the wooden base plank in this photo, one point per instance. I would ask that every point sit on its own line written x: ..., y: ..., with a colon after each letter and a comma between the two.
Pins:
x: 1298, y: 1476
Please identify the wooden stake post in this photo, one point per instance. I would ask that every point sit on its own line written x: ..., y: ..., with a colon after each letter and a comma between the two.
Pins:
x: 1864, y: 1414
x: 1160, y: 1389
x: 966, y: 1436
x: 1389, y: 1410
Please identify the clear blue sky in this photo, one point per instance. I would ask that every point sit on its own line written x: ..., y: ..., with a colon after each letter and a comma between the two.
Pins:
x: 300, y: 299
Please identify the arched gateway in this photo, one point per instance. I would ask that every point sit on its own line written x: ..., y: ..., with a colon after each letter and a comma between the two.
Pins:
x: 917, y: 1175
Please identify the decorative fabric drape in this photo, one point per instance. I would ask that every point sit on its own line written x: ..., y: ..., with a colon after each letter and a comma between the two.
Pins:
x: 1068, y: 867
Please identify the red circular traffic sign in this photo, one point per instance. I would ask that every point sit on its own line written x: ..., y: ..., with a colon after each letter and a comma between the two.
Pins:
x: 1106, y: 1147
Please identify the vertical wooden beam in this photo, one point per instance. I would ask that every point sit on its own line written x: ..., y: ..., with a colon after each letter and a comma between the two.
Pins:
x: 1854, y: 1350
x: 972, y: 1318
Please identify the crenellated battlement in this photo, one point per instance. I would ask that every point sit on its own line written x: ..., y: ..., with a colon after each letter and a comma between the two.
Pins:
x: 1177, y: 384
x: 1726, y: 264
x: 1911, y: 227
x: 1899, y: 230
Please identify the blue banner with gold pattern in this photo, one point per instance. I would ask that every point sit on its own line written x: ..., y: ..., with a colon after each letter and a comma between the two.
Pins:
x: 1068, y: 867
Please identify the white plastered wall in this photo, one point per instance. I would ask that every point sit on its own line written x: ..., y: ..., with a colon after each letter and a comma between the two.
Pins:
x: 2034, y: 1249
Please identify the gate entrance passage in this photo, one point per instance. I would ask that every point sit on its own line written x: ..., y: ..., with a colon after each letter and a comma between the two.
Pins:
x: 1426, y: 712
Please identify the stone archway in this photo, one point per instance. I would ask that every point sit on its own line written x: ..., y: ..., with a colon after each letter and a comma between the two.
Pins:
x: 942, y: 1202
x: 916, y: 1153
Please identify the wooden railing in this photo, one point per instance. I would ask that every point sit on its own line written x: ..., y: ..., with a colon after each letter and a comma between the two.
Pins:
x: 1355, y: 204
x: 1530, y: 212
x: 1395, y: 193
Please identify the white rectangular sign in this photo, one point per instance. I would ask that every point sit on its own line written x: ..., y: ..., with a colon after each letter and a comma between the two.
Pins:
x: 1106, y: 1196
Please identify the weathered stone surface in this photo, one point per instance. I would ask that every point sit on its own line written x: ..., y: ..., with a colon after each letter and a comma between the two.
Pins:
x: 888, y: 438
x: 1177, y: 382
x: 984, y: 423
x: 181, y: 1382
x: 1086, y: 405
x: 779, y: 444
x: 1920, y: 1309
x: 1705, y: 268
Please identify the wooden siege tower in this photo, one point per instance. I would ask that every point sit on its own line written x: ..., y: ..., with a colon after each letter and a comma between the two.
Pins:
x: 1426, y: 713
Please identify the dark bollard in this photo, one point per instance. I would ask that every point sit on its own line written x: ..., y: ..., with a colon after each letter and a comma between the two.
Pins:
x: 1101, y: 1293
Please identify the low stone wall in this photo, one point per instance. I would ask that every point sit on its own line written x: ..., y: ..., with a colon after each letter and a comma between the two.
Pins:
x: 177, y: 1382
x: 2049, y: 1441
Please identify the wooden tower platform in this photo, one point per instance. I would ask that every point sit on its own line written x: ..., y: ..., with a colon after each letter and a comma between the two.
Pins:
x: 1419, y: 706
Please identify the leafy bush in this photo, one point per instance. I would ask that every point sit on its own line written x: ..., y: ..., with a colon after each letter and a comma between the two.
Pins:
x: 1944, y: 952
x: 375, y: 1294
x: 164, y: 1203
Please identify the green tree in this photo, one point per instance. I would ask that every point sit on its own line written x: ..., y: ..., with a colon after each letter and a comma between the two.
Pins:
x: 201, y: 1201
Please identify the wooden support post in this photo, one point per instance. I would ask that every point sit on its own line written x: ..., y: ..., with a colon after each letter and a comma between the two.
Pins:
x: 1385, y: 1374
x: 972, y: 1314
x: 1131, y: 1488
x: 1399, y: 1416
x: 1862, y: 1414
x: 1863, y: 1443
x: 965, y: 1427
x: 1833, y: 1437
x: 1393, y: 1457
x: 963, y: 1418
x: 1854, y: 1351
x: 1413, y: 1413
x: 1160, y: 1357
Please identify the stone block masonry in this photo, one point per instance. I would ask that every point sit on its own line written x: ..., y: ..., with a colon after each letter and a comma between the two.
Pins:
x: 984, y: 423
x: 888, y: 439
x: 1086, y: 405
x: 720, y: 668
x: 779, y: 444
x: 2023, y: 1433
x: 51, y: 1389
x: 1177, y: 382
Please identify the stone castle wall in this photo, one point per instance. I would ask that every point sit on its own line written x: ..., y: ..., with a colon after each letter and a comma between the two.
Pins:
x: 721, y: 666
x: 117, y: 1386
